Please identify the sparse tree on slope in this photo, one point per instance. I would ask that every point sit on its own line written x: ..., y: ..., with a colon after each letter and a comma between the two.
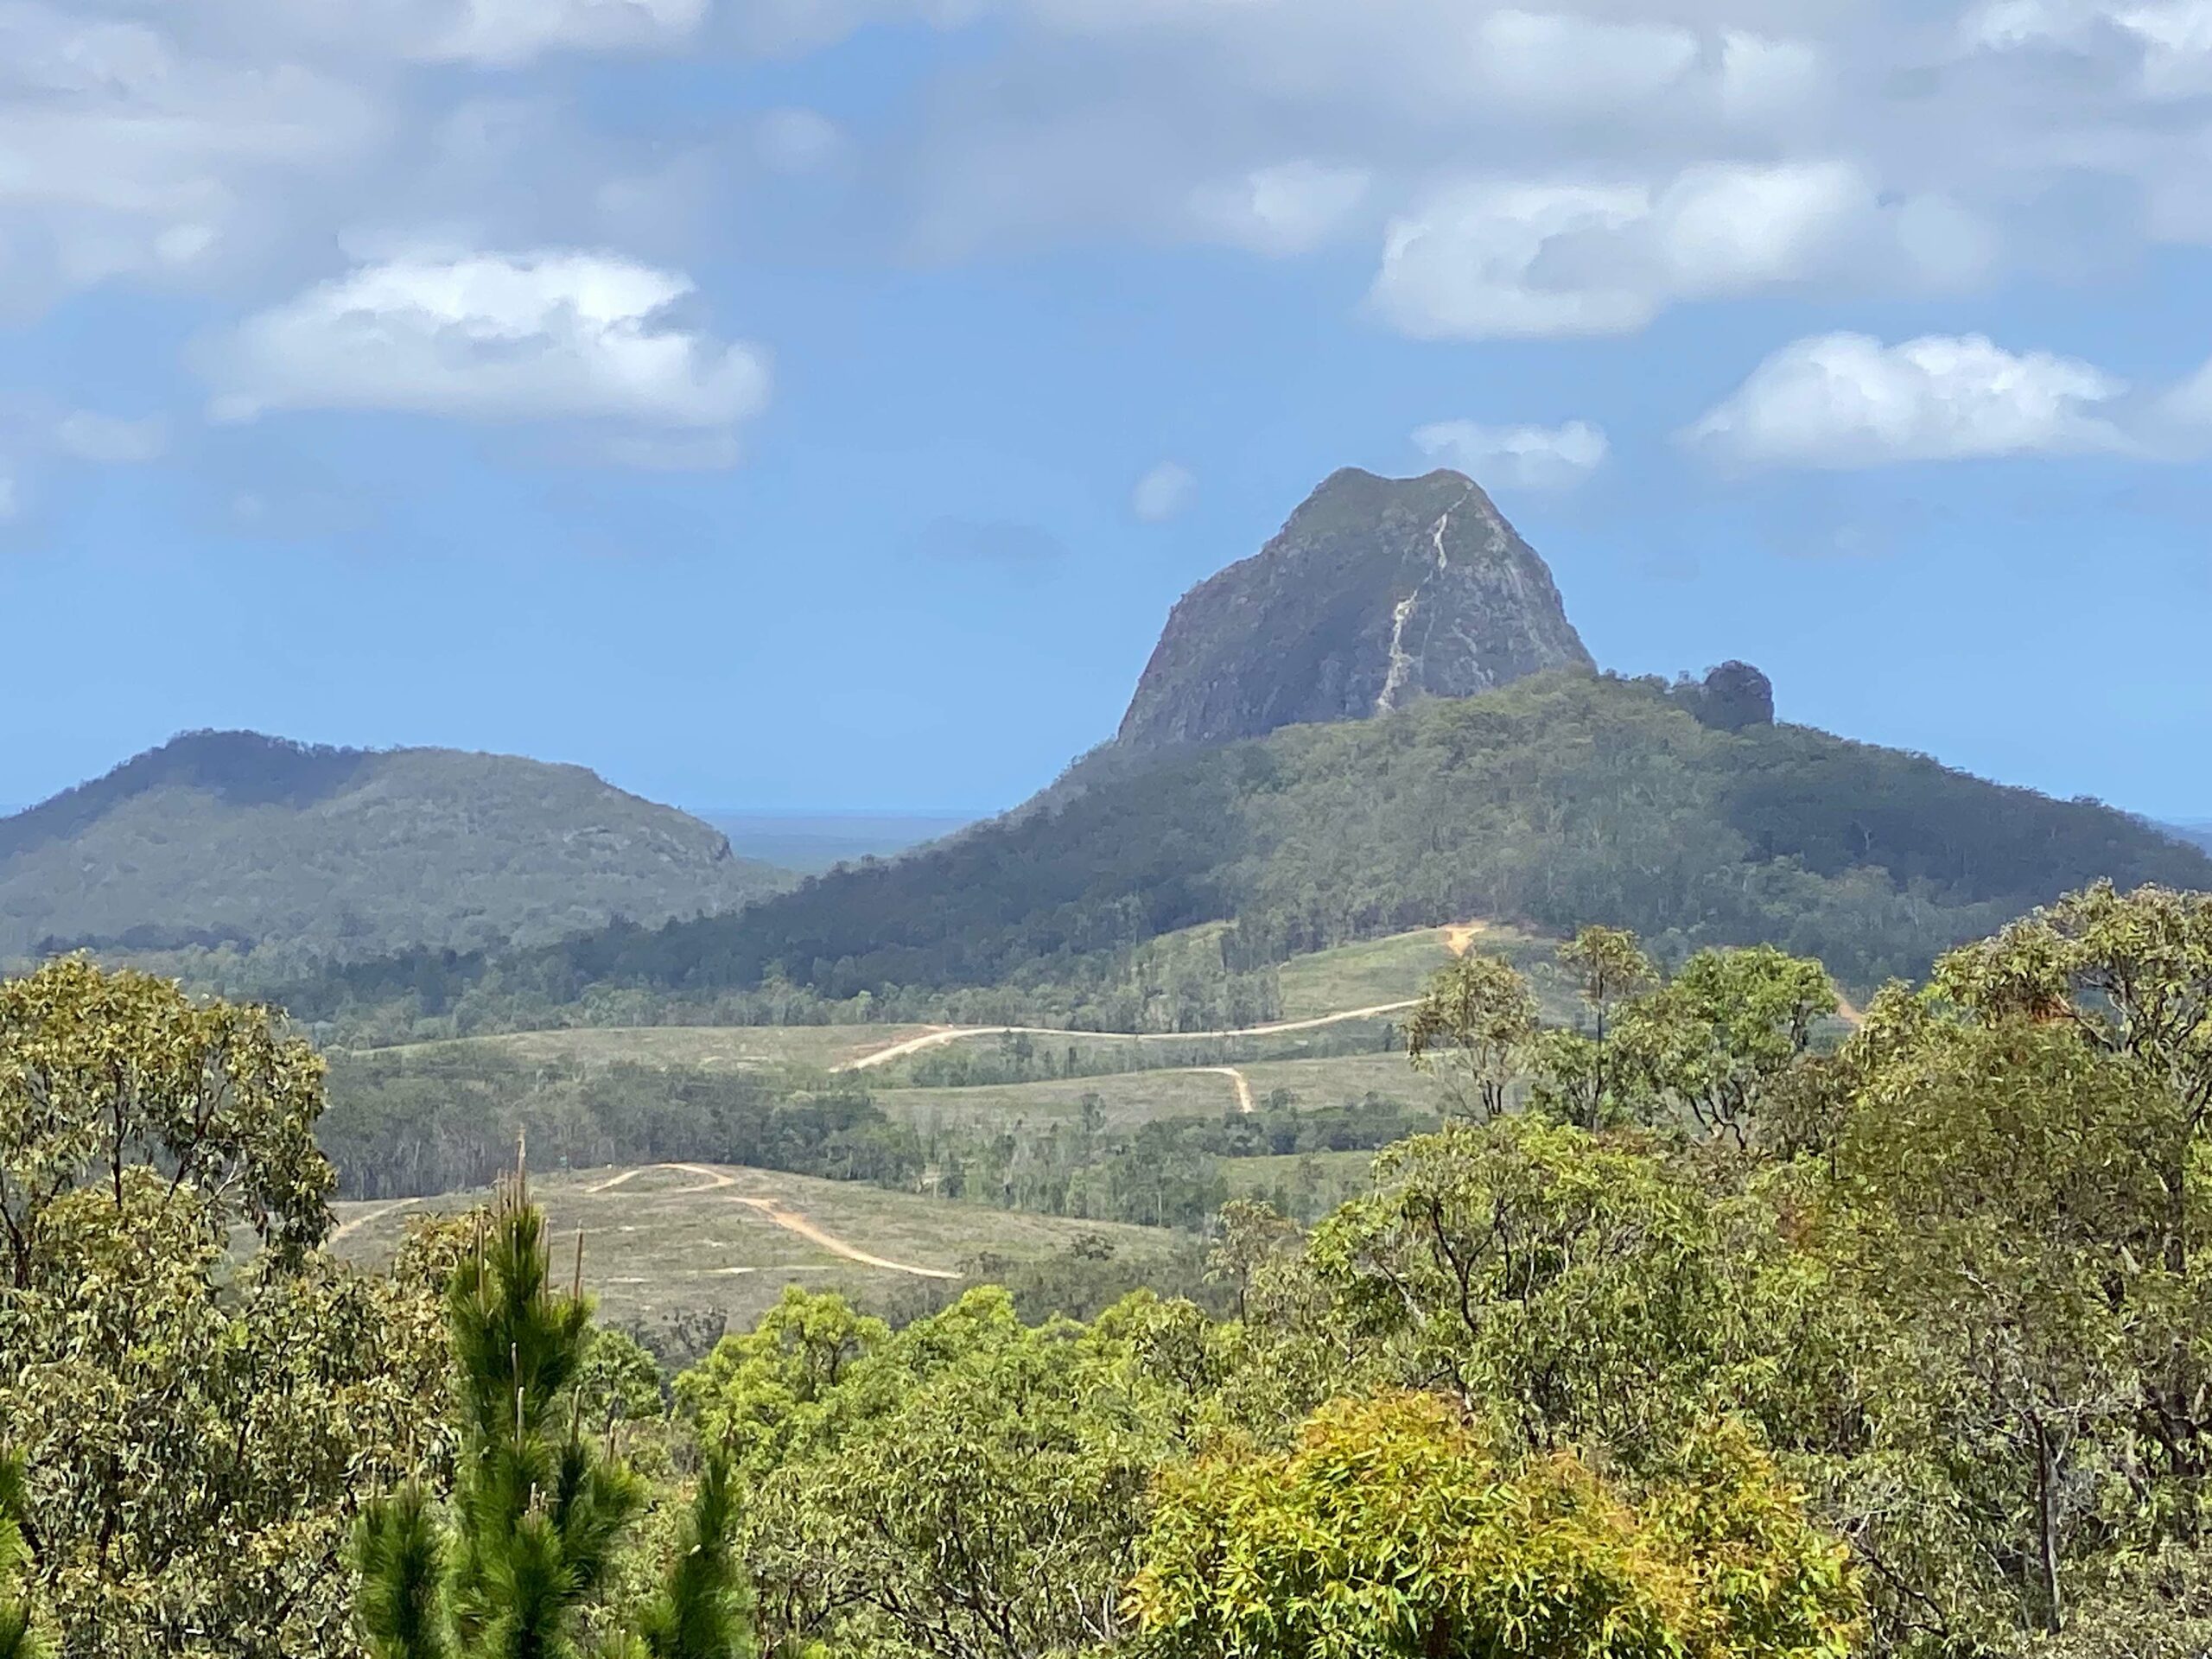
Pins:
x: 1576, y: 1070
x: 1480, y: 1012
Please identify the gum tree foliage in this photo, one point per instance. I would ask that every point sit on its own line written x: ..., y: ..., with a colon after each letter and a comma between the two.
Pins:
x: 524, y: 1559
x: 1932, y: 1283
x: 1472, y: 1023
x: 19, y: 1634
x: 1580, y: 1292
x: 1394, y: 1528
x: 1576, y: 1070
x: 197, y: 1425
x: 1998, y: 1207
x: 1713, y: 1042
x: 2020, y: 1198
x: 967, y: 1486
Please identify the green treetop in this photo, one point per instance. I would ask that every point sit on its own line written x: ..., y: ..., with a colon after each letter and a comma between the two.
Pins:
x: 521, y: 1562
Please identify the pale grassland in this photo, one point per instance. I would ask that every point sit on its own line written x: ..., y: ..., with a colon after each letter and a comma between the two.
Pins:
x: 1374, y: 974
x: 1101, y: 1054
x: 1128, y: 1099
x: 671, y: 1243
x: 1397, y: 968
x: 1363, y: 975
x: 1139, y: 1096
x: 1347, y: 1077
x: 702, y: 1047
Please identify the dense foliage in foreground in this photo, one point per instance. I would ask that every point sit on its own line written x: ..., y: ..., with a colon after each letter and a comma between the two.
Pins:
x: 1563, y: 800
x: 1724, y: 1346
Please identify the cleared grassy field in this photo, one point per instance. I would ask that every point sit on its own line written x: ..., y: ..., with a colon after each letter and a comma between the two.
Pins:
x: 672, y: 1241
x: 1397, y: 968
x: 1130, y: 1098
x: 968, y: 1059
x: 1362, y: 976
x: 1344, y: 1078
x: 1135, y: 1097
x: 1375, y: 974
x: 687, y: 1046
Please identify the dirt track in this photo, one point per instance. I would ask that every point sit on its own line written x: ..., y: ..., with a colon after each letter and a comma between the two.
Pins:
x: 960, y: 1034
x: 1244, y: 1101
x: 792, y: 1222
x: 709, y: 1181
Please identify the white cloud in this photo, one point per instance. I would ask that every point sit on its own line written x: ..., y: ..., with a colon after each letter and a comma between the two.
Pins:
x: 2192, y: 400
x: 109, y: 441
x: 2178, y: 425
x: 1288, y: 209
x: 2170, y: 38
x: 1770, y: 81
x: 1464, y: 265
x: 1554, y: 61
x: 497, y: 34
x: 1167, y: 492
x: 2167, y: 43
x: 515, y: 31
x: 122, y: 155
x: 795, y: 142
x: 493, y: 337
x: 1487, y: 260
x: 1849, y: 400
x: 1517, y: 457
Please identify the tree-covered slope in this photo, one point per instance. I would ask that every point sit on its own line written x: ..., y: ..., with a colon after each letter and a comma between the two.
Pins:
x: 2196, y: 835
x: 234, y: 842
x: 1565, y: 800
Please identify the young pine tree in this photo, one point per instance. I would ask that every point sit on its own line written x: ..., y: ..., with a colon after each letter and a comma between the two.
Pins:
x: 515, y: 1566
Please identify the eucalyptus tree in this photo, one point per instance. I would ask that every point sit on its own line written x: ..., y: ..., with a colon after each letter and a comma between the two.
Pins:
x: 1472, y: 1023
x: 200, y: 1397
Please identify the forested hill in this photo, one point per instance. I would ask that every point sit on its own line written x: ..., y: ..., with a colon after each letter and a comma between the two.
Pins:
x: 1565, y: 800
x: 234, y: 843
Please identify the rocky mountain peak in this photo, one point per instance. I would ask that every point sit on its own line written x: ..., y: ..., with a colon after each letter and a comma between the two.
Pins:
x: 1378, y: 592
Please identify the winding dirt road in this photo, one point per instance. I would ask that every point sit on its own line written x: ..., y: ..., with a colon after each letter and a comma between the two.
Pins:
x: 710, y: 1180
x: 1244, y: 1101
x: 960, y: 1034
x: 1458, y: 940
x: 792, y: 1222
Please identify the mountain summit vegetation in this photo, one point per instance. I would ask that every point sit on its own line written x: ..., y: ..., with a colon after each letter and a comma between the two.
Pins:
x: 1377, y: 592
x: 236, y: 843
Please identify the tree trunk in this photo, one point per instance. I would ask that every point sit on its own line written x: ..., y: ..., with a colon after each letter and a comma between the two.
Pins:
x: 2047, y: 1513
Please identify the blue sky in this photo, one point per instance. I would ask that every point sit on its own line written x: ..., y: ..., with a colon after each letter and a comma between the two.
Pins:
x: 819, y: 404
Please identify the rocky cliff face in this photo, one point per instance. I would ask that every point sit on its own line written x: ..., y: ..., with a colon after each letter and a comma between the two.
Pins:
x: 1378, y: 592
